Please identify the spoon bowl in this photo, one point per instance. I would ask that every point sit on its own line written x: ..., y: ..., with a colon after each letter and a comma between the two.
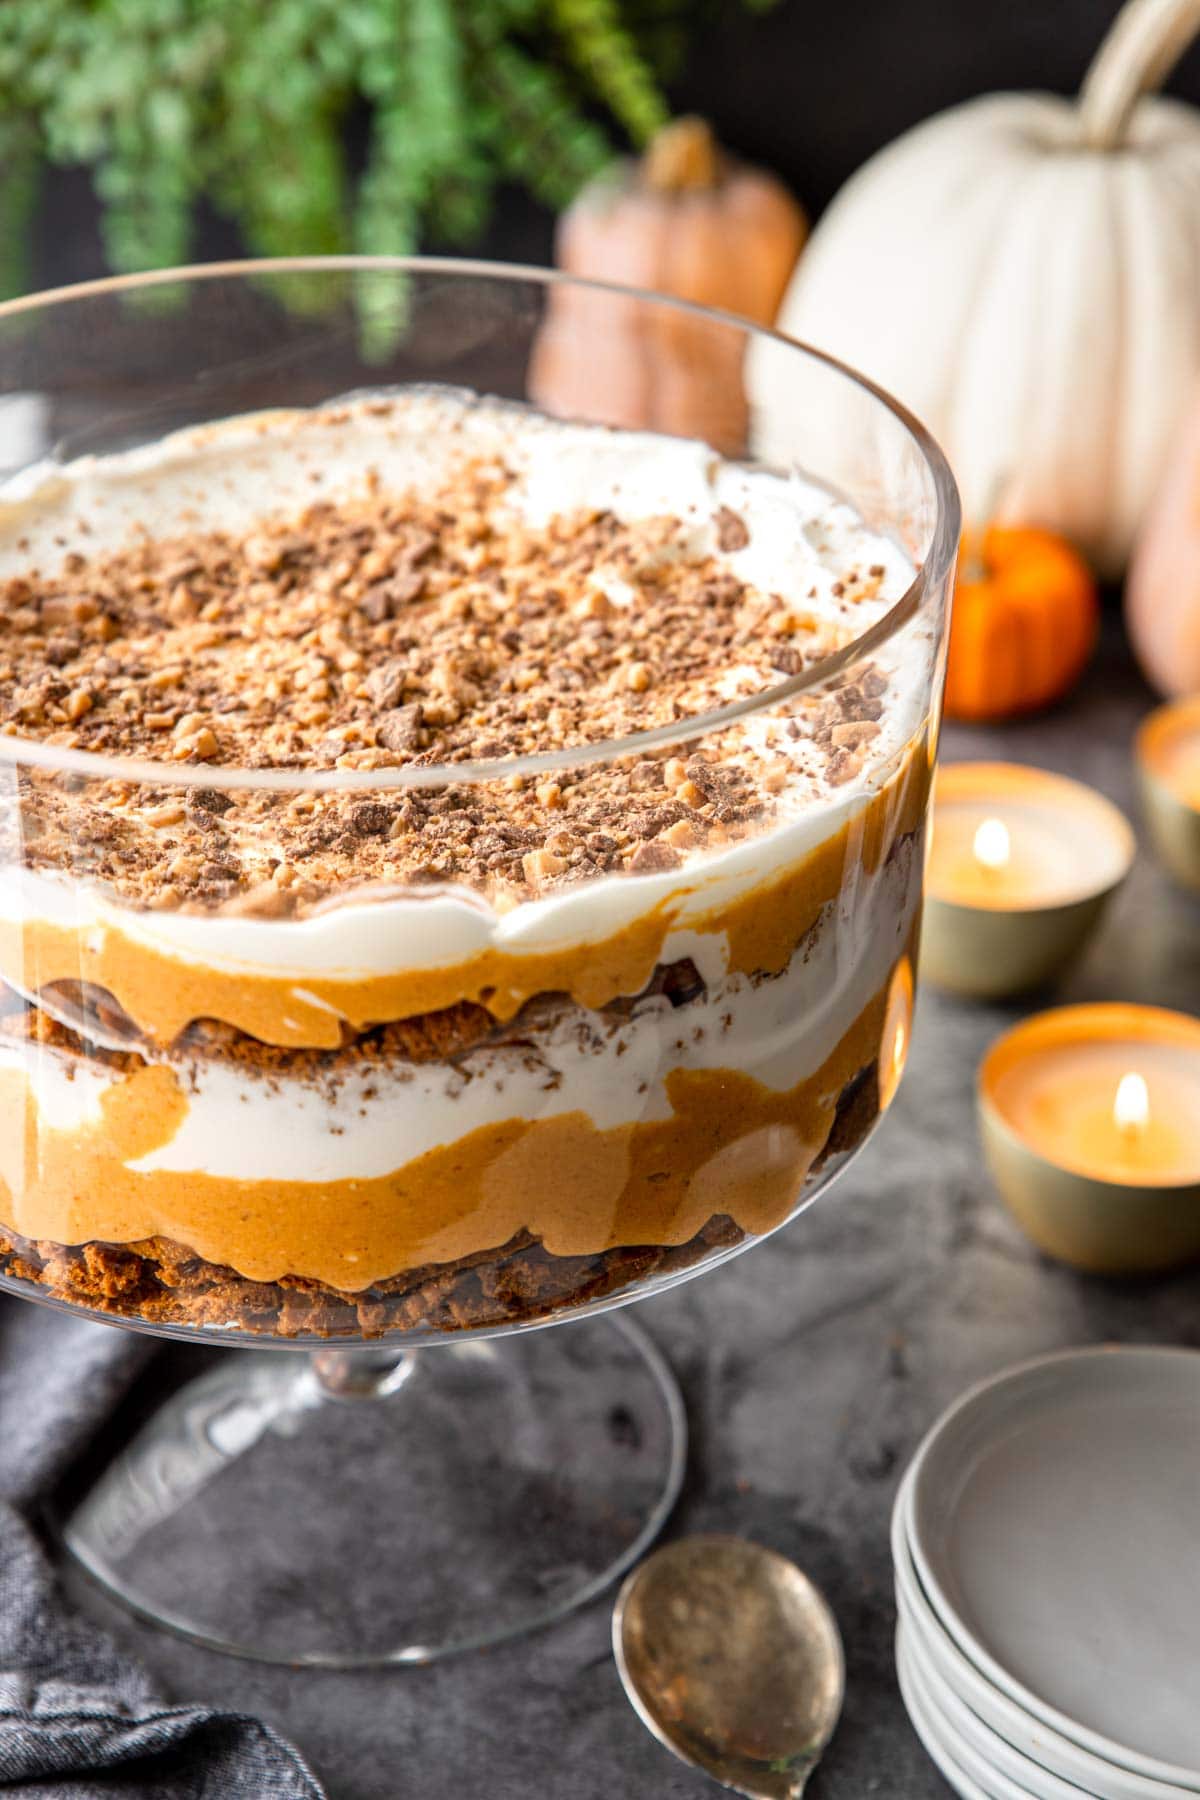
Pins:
x: 732, y: 1658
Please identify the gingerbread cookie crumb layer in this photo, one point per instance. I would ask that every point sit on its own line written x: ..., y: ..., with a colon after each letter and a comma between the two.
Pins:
x: 163, y: 1284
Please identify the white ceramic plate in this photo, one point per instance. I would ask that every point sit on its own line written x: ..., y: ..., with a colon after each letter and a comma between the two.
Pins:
x: 1054, y: 1523
x: 1033, y: 1737
x: 968, y: 1732
x: 994, y: 1782
x: 958, y: 1778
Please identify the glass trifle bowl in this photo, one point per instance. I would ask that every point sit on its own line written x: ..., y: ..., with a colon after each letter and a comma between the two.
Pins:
x: 465, y: 741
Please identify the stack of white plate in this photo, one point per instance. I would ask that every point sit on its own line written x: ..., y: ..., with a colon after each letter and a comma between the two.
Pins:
x: 1046, y: 1541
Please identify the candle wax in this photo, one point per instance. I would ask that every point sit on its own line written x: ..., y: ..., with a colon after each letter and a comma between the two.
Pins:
x: 1053, y: 857
x: 1059, y: 1099
x: 1178, y: 764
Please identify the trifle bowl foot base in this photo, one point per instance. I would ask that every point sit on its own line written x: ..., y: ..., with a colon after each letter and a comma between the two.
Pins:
x: 377, y: 1506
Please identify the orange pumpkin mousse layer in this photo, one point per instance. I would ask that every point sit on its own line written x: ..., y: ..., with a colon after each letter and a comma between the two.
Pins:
x: 300, y: 1039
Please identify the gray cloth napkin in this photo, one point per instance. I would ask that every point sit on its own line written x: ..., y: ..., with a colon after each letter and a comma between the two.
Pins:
x: 79, y: 1720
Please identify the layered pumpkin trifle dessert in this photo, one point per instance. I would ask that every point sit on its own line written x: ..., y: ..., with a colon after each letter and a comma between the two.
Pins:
x: 308, y: 1029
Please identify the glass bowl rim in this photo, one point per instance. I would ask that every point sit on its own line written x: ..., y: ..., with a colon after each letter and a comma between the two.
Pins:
x: 32, y: 753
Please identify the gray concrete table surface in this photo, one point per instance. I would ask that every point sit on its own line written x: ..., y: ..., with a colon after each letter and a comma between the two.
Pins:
x: 810, y: 1367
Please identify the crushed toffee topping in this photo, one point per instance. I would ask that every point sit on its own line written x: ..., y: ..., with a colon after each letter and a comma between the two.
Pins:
x: 396, y: 629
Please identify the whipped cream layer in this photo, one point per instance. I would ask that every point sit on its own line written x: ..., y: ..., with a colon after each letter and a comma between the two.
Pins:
x: 260, y: 1133
x: 378, y: 1116
x: 801, y: 543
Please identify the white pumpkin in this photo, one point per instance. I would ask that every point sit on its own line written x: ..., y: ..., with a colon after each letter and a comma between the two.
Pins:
x: 1023, y: 272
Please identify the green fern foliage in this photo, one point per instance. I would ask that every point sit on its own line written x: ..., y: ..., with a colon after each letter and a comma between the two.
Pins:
x: 245, y: 103
x: 18, y: 197
x: 606, y: 53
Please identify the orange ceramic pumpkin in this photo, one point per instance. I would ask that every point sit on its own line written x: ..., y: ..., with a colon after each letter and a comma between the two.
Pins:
x: 689, y: 221
x: 1024, y: 623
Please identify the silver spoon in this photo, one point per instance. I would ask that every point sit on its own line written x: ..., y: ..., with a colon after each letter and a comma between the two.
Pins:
x: 732, y: 1658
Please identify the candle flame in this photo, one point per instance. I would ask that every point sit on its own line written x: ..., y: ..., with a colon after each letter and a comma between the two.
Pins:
x: 992, y: 845
x: 1131, y: 1108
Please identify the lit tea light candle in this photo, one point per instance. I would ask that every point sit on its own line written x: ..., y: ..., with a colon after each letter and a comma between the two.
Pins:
x: 1090, y: 1118
x: 993, y: 847
x: 1131, y: 1107
x: 1168, y: 760
x: 1022, y: 863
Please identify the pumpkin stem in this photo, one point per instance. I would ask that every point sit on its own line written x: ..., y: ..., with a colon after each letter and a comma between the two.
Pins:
x: 1139, y: 50
x: 683, y: 155
x: 972, y: 560
x: 972, y: 564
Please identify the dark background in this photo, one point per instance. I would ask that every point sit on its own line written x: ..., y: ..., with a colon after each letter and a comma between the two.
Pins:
x: 810, y: 88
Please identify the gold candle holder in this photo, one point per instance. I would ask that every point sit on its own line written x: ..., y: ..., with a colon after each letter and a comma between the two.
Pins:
x: 1022, y: 865
x: 1167, y: 752
x: 1090, y: 1118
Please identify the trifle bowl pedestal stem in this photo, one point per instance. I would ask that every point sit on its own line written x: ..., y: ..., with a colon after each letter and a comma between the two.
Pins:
x: 385, y: 1506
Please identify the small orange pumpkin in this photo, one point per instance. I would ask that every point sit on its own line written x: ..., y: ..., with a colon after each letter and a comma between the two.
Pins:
x: 1024, y: 623
x: 689, y: 221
